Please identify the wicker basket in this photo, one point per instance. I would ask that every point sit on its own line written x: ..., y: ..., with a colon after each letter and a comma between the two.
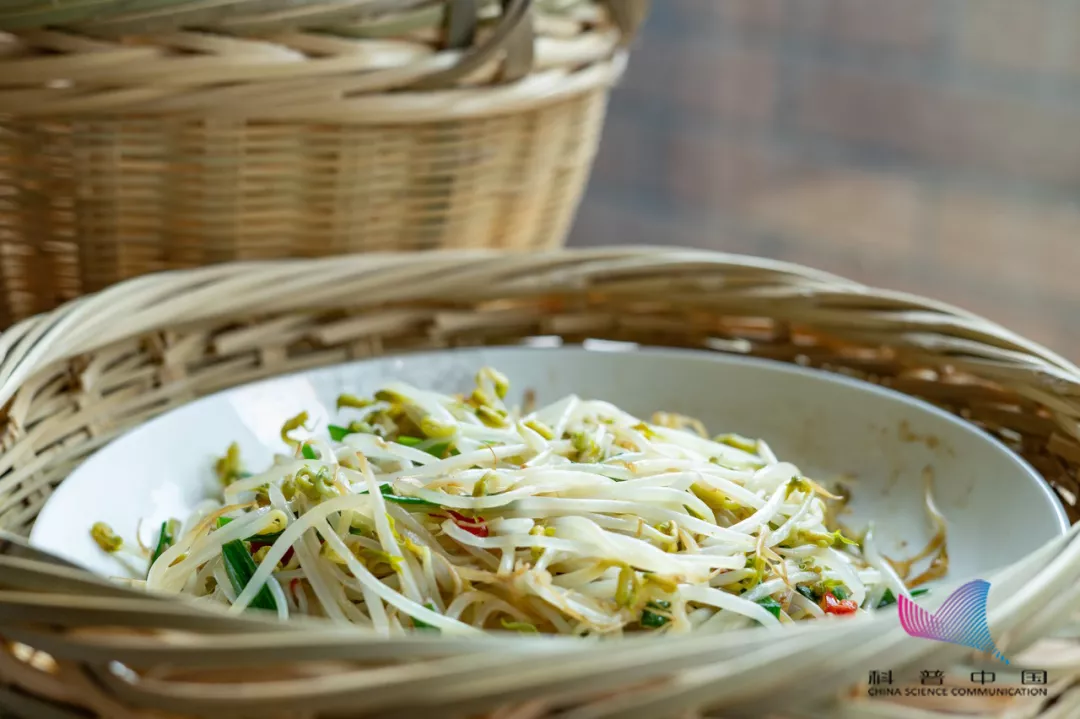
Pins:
x: 73, y: 379
x: 130, y: 143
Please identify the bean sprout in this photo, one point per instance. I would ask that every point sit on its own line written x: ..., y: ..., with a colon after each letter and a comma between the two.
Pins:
x: 457, y: 514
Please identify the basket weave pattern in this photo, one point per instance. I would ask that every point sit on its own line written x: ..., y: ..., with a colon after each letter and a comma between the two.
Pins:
x: 73, y: 379
x: 288, y: 130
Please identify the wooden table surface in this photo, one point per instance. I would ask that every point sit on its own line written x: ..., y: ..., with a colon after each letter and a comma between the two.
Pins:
x: 931, y: 146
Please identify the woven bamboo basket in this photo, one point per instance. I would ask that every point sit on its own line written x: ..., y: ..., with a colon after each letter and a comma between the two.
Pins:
x: 146, y: 135
x: 74, y: 645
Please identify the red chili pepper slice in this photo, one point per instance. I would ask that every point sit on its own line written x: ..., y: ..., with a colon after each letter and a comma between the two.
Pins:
x: 832, y: 605
x: 476, y: 527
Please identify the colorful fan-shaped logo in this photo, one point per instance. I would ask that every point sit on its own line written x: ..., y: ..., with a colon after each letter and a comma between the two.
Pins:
x: 961, y: 619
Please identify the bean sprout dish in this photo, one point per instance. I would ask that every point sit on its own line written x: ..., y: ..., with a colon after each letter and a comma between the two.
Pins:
x: 420, y: 511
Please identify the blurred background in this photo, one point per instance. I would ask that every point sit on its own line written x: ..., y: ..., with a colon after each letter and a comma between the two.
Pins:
x: 922, y: 145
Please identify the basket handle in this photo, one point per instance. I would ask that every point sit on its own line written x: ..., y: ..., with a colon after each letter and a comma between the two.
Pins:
x: 513, y: 33
x: 461, y: 20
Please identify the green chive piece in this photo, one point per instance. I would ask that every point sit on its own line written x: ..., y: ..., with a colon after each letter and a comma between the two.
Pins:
x: 438, y: 450
x: 890, y: 598
x: 388, y: 493
x: 772, y: 605
x: 652, y: 620
x: 424, y: 625
x: 166, y: 538
x: 240, y: 568
x: 309, y: 452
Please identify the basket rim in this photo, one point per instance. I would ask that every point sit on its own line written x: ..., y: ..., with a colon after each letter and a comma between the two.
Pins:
x: 520, y: 62
x: 116, y: 17
x: 37, y: 341
x: 301, y: 101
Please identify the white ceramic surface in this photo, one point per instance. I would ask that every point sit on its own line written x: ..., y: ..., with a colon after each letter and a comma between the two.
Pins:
x: 997, y: 507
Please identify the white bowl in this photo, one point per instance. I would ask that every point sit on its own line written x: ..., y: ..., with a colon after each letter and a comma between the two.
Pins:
x: 998, y: 508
